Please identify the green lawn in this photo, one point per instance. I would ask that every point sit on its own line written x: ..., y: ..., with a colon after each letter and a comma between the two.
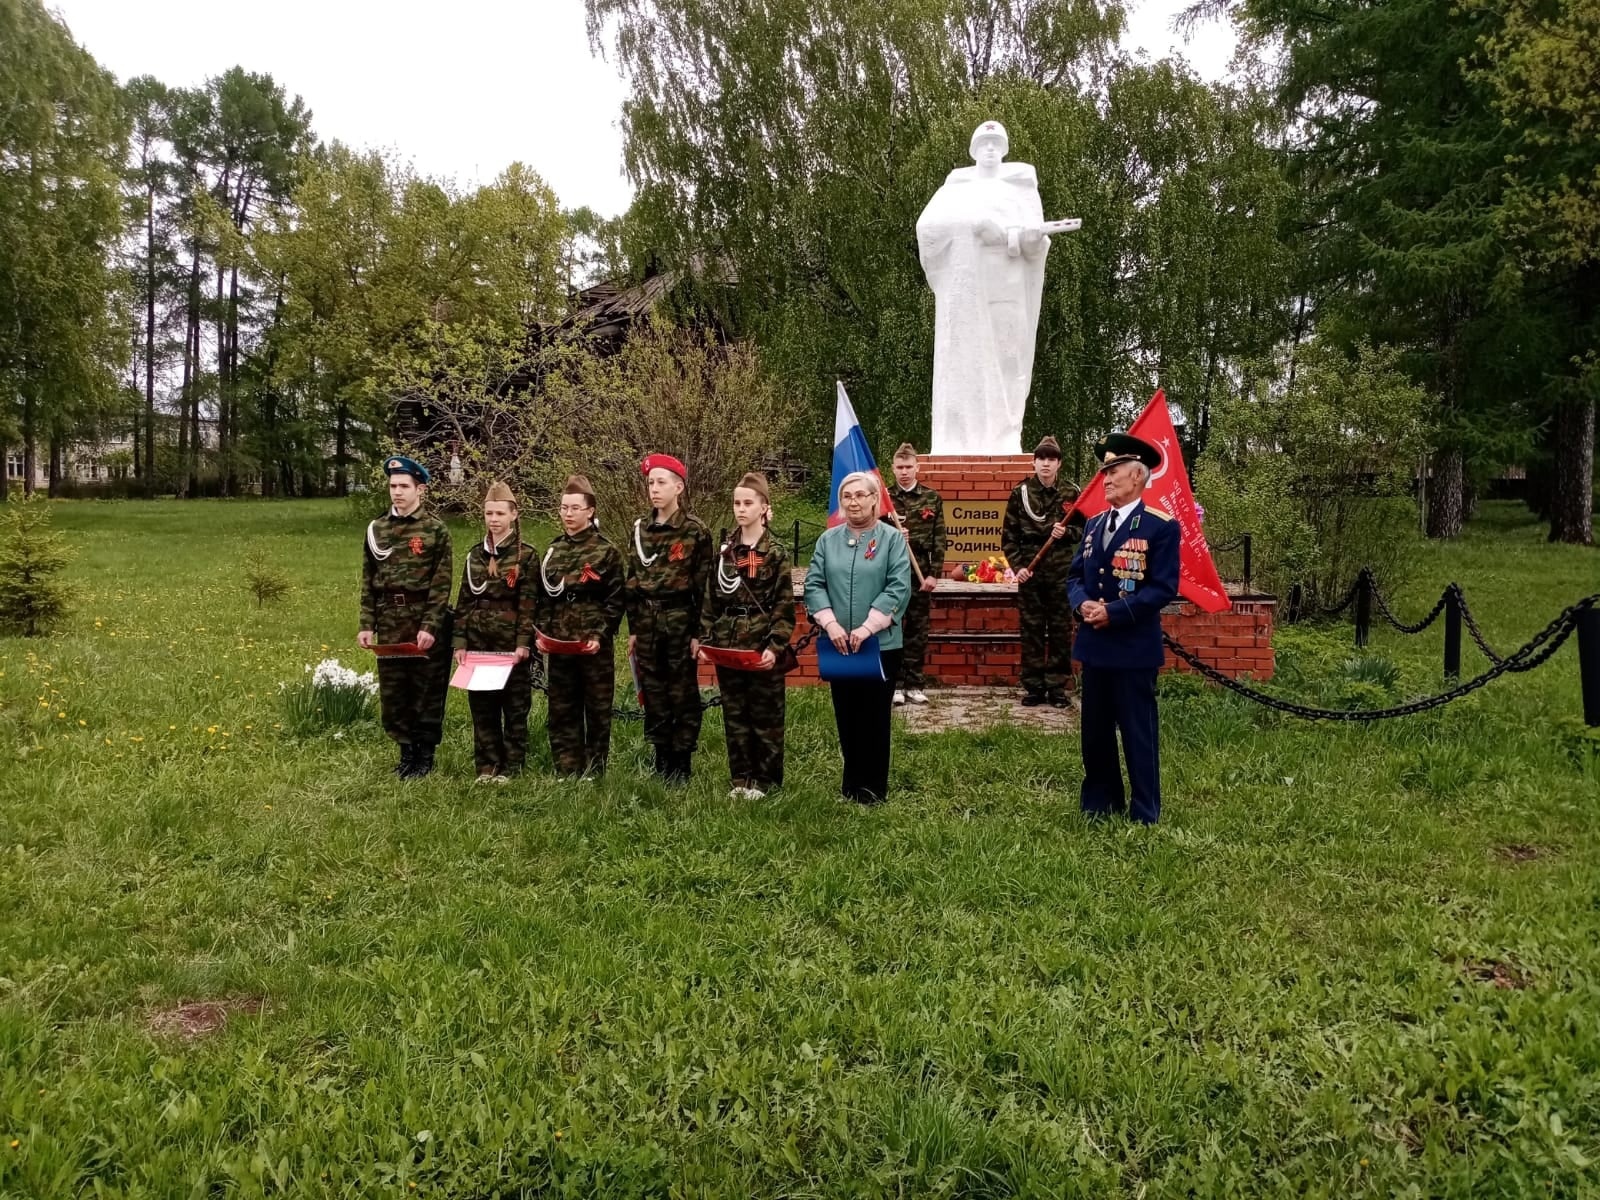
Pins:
x: 1351, y: 961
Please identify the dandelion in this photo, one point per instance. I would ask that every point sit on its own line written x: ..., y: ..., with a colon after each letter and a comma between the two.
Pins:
x: 61, y: 716
x: 268, y: 807
x: 82, y: 722
x: 170, y: 728
x: 14, y: 1142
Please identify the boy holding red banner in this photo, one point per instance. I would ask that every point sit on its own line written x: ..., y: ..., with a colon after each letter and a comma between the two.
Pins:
x: 1036, y: 518
x: 1124, y: 572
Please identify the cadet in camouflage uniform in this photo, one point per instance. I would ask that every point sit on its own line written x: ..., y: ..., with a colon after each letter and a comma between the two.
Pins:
x: 922, y: 511
x: 405, y: 597
x: 494, y: 612
x: 749, y: 605
x: 669, y: 562
x: 1036, y: 509
x: 580, y: 599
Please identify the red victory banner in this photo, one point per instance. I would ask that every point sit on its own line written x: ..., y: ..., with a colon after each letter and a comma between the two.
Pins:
x: 1168, y: 489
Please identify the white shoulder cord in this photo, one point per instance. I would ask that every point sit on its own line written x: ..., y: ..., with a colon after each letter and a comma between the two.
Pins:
x: 1028, y: 508
x: 724, y: 584
x: 372, y: 544
x: 477, y: 589
x: 639, y: 546
x: 544, y: 577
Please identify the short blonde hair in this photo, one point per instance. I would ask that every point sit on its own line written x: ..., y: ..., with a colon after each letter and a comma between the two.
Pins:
x: 862, y: 477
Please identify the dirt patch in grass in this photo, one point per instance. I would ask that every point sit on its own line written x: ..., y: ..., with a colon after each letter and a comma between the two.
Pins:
x: 195, y: 1020
x: 981, y: 708
x: 1507, y: 976
x: 1520, y: 852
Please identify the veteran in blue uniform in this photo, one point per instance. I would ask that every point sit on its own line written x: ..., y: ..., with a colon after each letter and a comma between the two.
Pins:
x: 1124, y: 572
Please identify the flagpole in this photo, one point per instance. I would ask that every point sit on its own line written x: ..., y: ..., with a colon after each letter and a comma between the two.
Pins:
x: 912, y: 554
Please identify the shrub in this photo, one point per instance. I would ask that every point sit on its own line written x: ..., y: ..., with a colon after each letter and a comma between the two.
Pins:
x: 531, y: 417
x: 1320, y: 472
x: 32, y: 599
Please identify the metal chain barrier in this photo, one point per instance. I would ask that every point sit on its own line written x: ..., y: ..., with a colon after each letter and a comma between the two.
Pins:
x: 1349, y: 599
x: 1471, y: 623
x: 1388, y: 613
x: 1534, y: 654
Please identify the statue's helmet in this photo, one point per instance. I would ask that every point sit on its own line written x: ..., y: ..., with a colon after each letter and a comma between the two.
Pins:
x: 989, y: 131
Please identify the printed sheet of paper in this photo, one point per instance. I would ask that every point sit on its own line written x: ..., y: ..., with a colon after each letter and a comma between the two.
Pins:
x: 483, y: 672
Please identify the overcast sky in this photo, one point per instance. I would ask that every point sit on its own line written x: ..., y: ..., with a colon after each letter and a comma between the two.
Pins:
x: 461, y: 89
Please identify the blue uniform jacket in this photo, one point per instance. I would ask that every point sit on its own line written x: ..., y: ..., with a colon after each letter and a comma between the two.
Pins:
x: 1145, y: 550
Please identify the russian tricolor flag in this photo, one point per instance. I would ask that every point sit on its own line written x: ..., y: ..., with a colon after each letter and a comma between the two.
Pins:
x: 850, y: 454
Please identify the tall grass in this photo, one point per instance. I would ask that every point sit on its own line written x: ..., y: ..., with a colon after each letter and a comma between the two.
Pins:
x: 1352, y: 961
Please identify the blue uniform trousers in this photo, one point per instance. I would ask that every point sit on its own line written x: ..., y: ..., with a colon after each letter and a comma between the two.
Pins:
x: 1122, y: 699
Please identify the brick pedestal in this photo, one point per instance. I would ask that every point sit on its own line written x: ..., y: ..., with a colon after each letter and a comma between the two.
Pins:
x: 974, y: 492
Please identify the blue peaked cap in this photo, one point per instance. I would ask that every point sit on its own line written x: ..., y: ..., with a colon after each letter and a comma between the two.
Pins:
x: 399, y: 464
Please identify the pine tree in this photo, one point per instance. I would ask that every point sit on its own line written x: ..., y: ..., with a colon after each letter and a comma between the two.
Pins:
x: 31, y: 555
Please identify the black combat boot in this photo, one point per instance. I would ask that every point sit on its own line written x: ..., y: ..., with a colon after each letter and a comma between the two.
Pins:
x: 421, y: 763
x: 663, y: 765
x: 1058, y: 698
x: 1032, y: 699
x: 402, y: 769
x: 682, y: 767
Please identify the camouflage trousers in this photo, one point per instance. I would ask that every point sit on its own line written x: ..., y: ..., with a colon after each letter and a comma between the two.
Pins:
x: 580, y: 689
x: 500, y: 723
x: 669, y: 680
x: 1046, y: 635
x: 915, y: 627
x: 412, y: 692
x: 752, y: 718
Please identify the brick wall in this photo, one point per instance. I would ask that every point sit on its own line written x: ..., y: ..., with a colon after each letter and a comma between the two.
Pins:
x: 974, y: 478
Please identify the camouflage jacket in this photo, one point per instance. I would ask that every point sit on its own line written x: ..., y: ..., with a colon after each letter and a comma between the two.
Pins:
x: 749, y: 600
x: 669, y: 563
x: 922, y: 510
x: 496, y: 612
x: 1025, y: 531
x: 405, y: 576
x: 580, y: 582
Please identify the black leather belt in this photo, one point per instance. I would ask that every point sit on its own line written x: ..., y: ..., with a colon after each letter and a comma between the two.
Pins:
x: 670, y: 600
x: 402, y: 599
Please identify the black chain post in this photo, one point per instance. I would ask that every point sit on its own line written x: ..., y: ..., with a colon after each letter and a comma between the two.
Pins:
x: 1363, y: 608
x: 1246, y: 540
x: 1589, y: 663
x: 1297, y: 599
x: 795, y: 561
x: 1452, y: 633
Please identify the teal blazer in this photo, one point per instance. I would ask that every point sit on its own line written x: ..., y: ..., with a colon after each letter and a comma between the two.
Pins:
x: 874, y: 573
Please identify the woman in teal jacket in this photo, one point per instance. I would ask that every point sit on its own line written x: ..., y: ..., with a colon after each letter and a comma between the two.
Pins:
x: 858, y: 586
